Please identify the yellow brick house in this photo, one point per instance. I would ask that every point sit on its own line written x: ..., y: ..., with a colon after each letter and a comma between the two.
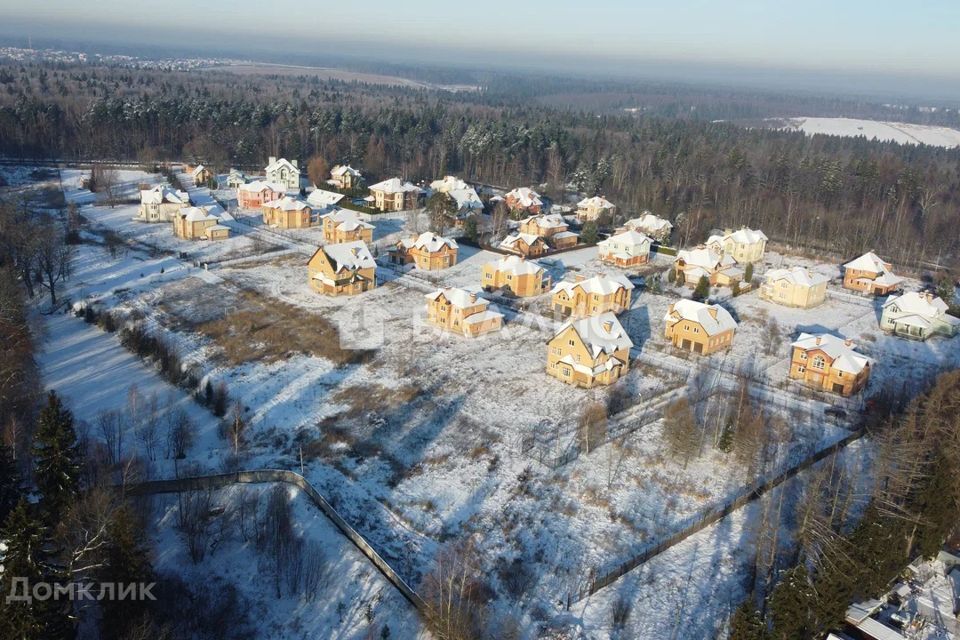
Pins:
x: 699, y: 328
x: 744, y: 245
x: 342, y: 269
x: 590, y: 351
x: 344, y: 225
x: 199, y: 223
x: 829, y: 363
x: 795, y: 287
x: 287, y: 213
x: 462, y: 312
x: 520, y: 276
x: 591, y: 296
x: 428, y: 251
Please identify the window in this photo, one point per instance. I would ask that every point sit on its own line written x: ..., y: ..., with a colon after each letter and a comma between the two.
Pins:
x: 818, y: 362
x: 509, y: 277
x: 571, y: 342
x: 803, y: 355
x: 696, y: 329
x: 801, y: 368
x: 489, y: 276
x: 566, y: 372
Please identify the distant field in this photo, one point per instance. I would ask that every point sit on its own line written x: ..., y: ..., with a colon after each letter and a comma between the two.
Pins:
x: 328, y: 73
x: 901, y: 132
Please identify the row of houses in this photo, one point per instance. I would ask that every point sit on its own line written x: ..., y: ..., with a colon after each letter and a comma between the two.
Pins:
x: 164, y: 204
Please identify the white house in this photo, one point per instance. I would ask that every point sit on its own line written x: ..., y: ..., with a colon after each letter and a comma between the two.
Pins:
x: 590, y: 209
x: 918, y: 316
x: 625, y: 249
x: 235, y: 178
x: 323, y: 200
x: 649, y: 225
x: 745, y: 245
x: 283, y: 172
x: 161, y: 203
x: 465, y: 196
x: 343, y: 176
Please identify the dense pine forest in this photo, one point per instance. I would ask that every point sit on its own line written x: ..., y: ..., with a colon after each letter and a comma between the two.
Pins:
x: 830, y: 194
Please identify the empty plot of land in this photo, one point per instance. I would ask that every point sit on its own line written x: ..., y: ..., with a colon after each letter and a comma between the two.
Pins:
x: 901, y: 132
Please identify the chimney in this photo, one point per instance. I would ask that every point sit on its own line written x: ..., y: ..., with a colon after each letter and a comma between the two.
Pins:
x: 579, y: 278
x: 271, y: 159
x: 607, y: 326
x: 473, y: 297
x: 819, y: 338
x: 296, y: 163
x: 848, y: 343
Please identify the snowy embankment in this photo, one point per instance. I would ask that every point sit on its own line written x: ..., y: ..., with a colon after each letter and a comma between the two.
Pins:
x: 900, y: 132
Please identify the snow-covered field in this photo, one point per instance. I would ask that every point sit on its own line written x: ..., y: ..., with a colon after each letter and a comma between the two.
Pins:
x: 417, y: 440
x: 901, y: 132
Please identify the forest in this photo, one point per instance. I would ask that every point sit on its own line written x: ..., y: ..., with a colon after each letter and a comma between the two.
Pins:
x: 833, y: 195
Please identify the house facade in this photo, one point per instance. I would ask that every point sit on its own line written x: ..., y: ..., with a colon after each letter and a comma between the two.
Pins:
x: 468, y: 202
x: 345, y: 177
x: 699, y: 328
x: 719, y: 267
x: 590, y: 209
x: 200, y: 175
x: 198, y: 223
x: 161, y: 204
x: 552, y: 228
x: 650, y: 225
x: 342, y: 269
x: 521, y: 276
x: 524, y: 244
x: 626, y: 249
x: 524, y: 199
x: 591, y: 296
x: 235, y: 178
x: 590, y: 351
x: 344, y: 225
x: 462, y: 312
x: 871, y: 275
x: 284, y: 172
x: 744, y: 245
x: 829, y: 363
x: 918, y: 316
x: 287, y: 213
x: 253, y: 195
x: 395, y: 195
x: 794, y: 287
x: 428, y: 252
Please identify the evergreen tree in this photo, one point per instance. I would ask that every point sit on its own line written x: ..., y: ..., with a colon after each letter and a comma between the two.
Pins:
x: 748, y: 273
x: 703, y: 289
x: 790, y: 605
x: 589, y: 232
x: 9, y: 483
x: 125, y: 561
x: 746, y: 623
x: 55, y: 457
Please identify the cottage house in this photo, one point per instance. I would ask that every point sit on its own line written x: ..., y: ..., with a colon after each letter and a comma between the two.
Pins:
x: 698, y: 327
x: 589, y: 351
x: 918, y: 316
x: 520, y: 276
x: 287, y: 213
x: 524, y: 244
x: 829, y: 363
x: 428, y: 251
x: 199, y: 223
x: 342, y: 269
x: 650, y: 225
x: 200, y: 175
x: 235, y: 178
x: 395, y: 195
x: 462, y: 312
x: 161, y: 204
x: 323, y: 200
x: 552, y: 228
x: 253, y: 195
x: 284, y: 172
x: 794, y: 287
x: 744, y: 245
x: 345, y: 177
x: 719, y: 267
x: 344, y: 225
x: 468, y: 202
x: 591, y: 296
x: 590, y: 209
x: 870, y: 274
x: 626, y: 249
x: 524, y: 199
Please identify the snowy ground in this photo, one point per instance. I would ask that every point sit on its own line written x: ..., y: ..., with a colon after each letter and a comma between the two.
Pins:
x: 901, y: 132
x: 417, y: 439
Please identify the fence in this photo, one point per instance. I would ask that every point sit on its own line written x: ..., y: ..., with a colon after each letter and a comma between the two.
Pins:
x: 260, y: 476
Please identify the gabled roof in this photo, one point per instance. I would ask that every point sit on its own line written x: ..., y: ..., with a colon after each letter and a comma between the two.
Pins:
x: 629, y: 237
x: 286, y: 203
x: 925, y: 305
x: 164, y: 193
x: 280, y: 162
x: 601, y: 334
x: 262, y: 185
x: 546, y: 221
x: 197, y: 214
x: 648, y: 222
x: 595, y: 202
x: 458, y: 297
x: 350, y: 256
x: 347, y: 220
x: 343, y: 169
x: 514, y: 238
x: 868, y: 262
x: 449, y: 183
x: 707, y: 258
x: 197, y: 170
x: 840, y: 351
x: 321, y: 198
x: 601, y: 284
x: 525, y: 197
x: 429, y: 242
x: 797, y: 276
x: 712, y: 318
x: 740, y: 236
x: 517, y: 266
x: 394, y: 185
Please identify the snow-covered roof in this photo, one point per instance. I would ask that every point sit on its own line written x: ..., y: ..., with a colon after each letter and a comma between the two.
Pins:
x: 518, y: 266
x: 525, y: 197
x: 740, y: 236
x: 448, y: 183
x: 347, y: 220
x: 277, y: 163
x: 797, y: 276
x: 286, y: 203
x: 322, y: 198
x: 430, y: 242
x: 839, y: 350
x: 164, y: 193
x: 707, y: 258
x: 197, y: 170
x: 458, y: 297
x: 262, y: 185
x: 868, y: 262
x: 596, y: 202
x: 626, y: 238
x: 350, y: 255
x: 487, y: 314
x: 197, y: 214
x: 600, y: 284
x: 343, y: 169
x: 713, y: 318
x: 514, y: 238
x: 925, y: 305
x: 394, y: 185
x: 648, y: 222
x: 564, y: 234
x: 601, y: 334
x: 546, y: 221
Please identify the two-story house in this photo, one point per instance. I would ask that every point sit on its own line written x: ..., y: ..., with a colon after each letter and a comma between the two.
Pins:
x: 591, y: 296
x: 462, y: 312
x: 524, y: 244
x: 590, y: 209
x: 525, y: 200
x: 344, y: 225
x: 161, y: 203
x: 698, y: 327
x: 284, y: 172
x: 918, y: 315
x: 719, y: 267
x: 520, y: 276
x: 870, y: 274
x: 626, y: 249
x: 428, y: 252
x: 252, y: 195
x: 342, y: 269
x: 395, y: 195
x: 650, y: 225
x: 590, y: 351
x: 829, y: 363
x: 744, y: 245
x: 287, y: 213
x: 794, y: 287
x: 345, y: 177
x: 199, y: 223
x: 552, y: 228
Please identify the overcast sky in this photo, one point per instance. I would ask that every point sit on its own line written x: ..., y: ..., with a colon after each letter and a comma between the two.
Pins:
x: 861, y: 36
